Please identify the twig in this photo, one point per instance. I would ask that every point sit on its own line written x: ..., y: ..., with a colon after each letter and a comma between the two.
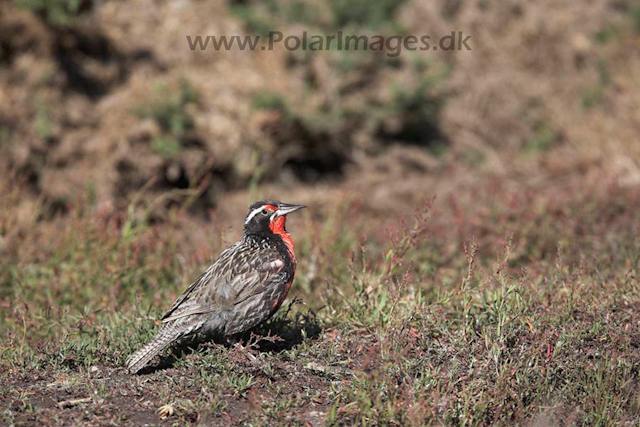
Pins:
x: 73, y: 402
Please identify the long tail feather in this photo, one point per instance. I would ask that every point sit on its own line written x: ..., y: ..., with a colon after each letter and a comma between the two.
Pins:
x: 140, y: 358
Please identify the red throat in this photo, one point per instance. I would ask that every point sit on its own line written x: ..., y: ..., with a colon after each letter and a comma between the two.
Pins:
x: 277, y: 226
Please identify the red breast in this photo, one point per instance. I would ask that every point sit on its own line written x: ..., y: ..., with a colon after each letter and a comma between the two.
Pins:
x: 277, y: 226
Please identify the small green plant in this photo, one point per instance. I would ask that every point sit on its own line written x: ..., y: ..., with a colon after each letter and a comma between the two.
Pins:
x: 364, y: 13
x: 240, y: 383
x: 5, y: 135
x: 166, y: 146
x: 254, y: 21
x: 55, y: 12
x: 544, y: 139
x: 267, y: 100
x: 635, y: 17
x: 169, y: 111
x: 254, y: 181
x: 593, y: 96
x: 606, y: 34
x: 42, y: 125
x: 415, y: 110
x: 260, y: 17
x: 610, y: 32
x: 474, y: 157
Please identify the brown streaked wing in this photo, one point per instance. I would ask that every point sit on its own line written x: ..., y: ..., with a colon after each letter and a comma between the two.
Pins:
x: 201, y: 281
x: 239, y: 272
x: 260, y: 266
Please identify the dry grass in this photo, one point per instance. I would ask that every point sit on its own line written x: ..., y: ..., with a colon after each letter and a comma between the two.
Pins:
x: 523, y: 312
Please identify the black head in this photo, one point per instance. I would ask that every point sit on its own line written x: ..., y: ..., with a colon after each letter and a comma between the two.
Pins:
x: 268, y: 217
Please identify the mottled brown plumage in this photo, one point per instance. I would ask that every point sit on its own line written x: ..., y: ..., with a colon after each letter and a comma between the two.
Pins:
x: 244, y: 287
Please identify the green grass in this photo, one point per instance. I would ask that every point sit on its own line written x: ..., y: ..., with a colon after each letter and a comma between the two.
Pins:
x: 535, y: 318
x: 42, y: 124
x: 262, y: 17
x: 544, y: 138
x: 270, y: 101
x: 169, y: 110
x: 55, y: 12
x: 368, y: 14
x: 592, y: 97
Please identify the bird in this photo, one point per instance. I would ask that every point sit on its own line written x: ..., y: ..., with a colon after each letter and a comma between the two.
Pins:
x: 244, y: 287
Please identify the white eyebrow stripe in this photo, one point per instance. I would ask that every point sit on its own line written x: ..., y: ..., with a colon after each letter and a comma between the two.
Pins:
x: 254, y: 213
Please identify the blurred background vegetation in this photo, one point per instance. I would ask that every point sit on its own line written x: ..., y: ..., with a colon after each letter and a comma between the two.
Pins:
x: 107, y: 96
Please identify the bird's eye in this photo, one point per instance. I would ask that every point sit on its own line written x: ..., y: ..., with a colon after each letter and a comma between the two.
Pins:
x: 264, y: 212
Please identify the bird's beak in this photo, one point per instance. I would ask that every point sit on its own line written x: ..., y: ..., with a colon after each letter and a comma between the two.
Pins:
x: 286, y: 208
